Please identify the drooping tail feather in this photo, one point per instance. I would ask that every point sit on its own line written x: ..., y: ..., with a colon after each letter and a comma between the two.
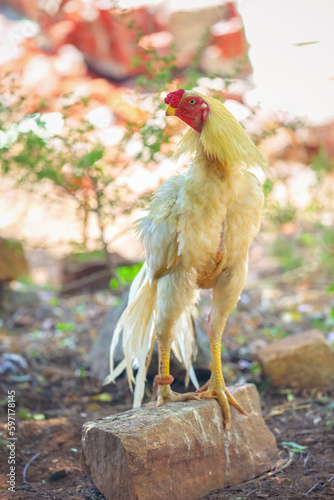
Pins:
x: 137, y: 323
x: 184, y: 346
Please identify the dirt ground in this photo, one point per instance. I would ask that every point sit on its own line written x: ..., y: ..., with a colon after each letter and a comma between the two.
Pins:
x: 55, y: 396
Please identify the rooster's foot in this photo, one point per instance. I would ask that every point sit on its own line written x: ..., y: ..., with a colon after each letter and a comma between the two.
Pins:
x: 224, y: 398
x: 166, y: 395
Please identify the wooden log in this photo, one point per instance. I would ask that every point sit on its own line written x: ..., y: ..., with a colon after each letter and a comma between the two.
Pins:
x: 179, y: 451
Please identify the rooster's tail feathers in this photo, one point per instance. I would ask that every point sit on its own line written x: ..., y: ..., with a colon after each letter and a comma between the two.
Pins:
x: 137, y: 323
x: 185, y: 346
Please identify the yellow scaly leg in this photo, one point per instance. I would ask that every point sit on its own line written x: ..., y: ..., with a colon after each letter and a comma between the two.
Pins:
x: 215, y: 387
x: 163, y: 380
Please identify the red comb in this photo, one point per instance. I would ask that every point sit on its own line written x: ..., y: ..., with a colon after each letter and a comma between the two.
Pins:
x: 173, y: 98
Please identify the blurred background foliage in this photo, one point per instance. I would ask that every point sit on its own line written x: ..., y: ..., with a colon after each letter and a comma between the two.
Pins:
x: 63, y: 154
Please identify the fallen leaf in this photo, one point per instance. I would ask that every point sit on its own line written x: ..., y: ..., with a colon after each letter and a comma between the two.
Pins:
x: 104, y: 396
x: 298, y: 448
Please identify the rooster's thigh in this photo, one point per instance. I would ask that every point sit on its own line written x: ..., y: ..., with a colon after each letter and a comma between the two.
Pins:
x: 225, y: 295
x: 175, y: 292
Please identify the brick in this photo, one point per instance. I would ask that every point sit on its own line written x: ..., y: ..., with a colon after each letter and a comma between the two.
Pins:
x: 301, y: 361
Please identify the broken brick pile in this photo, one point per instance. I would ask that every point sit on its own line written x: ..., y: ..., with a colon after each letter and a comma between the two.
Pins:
x: 112, y: 38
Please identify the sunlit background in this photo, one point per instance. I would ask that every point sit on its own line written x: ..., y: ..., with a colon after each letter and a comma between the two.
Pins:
x: 87, y: 62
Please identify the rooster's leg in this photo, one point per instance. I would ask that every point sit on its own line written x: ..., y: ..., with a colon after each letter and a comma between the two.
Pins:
x: 225, y: 296
x: 174, y: 294
x: 215, y: 387
x: 163, y: 380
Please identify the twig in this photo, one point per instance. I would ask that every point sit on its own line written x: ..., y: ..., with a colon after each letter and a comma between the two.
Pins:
x: 27, y: 465
x: 252, y: 491
x: 313, y: 488
x: 306, y: 459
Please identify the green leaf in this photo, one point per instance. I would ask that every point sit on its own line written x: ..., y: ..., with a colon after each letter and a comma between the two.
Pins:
x: 297, y: 448
x: 290, y: 397
x: 307, y: 238
x: 127, y: 274
x: 39, y: 416
x: 113, y: 283
x: 268, y: 187
x: 24, y: 414
x: 104, y: 396
x: 135, y: 61
x: 255, y: 368
x: 67, y: 327
x: 88, y: 160
x: 241, y: 339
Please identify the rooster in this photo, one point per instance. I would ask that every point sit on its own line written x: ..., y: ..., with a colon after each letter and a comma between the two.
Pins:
x: 196, y: 234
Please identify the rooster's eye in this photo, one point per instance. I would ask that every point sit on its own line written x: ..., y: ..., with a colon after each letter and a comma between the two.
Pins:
x: 192, y: 101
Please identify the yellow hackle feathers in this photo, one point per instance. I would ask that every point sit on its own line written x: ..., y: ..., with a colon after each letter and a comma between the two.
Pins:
x: 223, y: 139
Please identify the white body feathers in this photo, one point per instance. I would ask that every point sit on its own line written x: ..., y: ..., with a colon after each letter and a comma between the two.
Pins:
x: 199, y: 227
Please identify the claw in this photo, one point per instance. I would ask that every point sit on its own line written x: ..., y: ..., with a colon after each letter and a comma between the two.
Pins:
x: 224, y: 398
x: 165, y: 395
x: 233, y: 402
x: 203, y: 388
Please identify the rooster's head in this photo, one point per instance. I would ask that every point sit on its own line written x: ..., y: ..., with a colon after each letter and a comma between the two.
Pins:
x: 189, y: 107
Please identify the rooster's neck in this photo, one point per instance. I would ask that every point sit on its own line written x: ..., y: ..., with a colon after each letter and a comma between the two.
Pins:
x: 213, y: 165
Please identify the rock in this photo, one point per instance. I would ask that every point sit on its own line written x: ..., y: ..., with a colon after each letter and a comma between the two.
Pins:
x: 98, y: 359
x: 302, y: 361
x: 179, y: 451
x: 13, y: 263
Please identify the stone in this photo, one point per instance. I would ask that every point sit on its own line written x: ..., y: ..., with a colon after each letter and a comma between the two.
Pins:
x: 179, y: 450
x: 13, y: 263
x: 302, y: 361
x: 98, y: 359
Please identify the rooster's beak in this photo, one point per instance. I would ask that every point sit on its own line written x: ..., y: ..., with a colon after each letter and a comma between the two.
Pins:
x: 170, y: 111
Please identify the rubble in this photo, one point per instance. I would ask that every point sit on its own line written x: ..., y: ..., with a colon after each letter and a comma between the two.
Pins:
x: 116, y: 42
